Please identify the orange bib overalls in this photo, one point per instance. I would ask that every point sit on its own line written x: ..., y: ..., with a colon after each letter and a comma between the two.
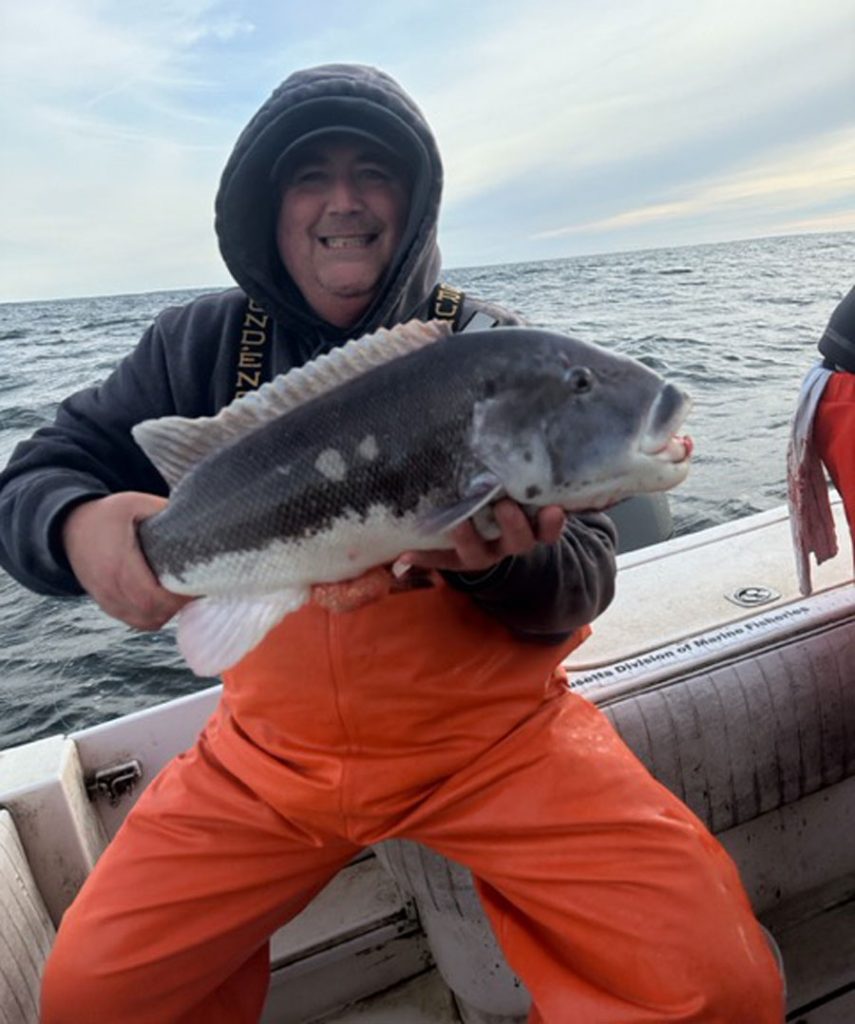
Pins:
x: 834, y: 435
x: 416, y: 717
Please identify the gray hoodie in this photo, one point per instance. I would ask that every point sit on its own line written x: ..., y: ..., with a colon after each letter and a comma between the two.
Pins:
x: 343, y: 95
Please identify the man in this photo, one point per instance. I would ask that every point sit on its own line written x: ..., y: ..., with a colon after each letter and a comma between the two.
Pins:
x: 438, y: 713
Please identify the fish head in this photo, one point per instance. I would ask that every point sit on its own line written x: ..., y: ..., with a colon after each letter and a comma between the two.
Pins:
x: 583, y: 428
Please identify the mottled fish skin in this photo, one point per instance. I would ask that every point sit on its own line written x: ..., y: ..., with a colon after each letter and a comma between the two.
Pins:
x: 342, y: 454
x: 544, y: 412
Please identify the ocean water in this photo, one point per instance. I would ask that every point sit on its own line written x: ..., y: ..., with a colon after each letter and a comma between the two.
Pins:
x: 735, y: 324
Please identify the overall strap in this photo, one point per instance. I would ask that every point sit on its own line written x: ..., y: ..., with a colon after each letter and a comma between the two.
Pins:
x: 252, y: 360
x: 449, y: 303
x: 446, y: 303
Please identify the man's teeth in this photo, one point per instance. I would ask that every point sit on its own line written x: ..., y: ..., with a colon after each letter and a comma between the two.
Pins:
x: 347, y: 241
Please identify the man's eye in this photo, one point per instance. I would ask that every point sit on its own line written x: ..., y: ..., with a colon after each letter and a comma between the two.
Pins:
x: 308, y: 176
x: 375, y: 173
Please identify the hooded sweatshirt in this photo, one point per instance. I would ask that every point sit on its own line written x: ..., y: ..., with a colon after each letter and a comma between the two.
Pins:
x: 196, y: 358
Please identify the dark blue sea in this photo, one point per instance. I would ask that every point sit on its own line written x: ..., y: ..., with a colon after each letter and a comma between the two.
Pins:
x: 735, y: 324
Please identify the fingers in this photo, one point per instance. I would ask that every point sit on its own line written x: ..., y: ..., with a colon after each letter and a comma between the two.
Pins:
x: 136, y: 597
x: 101, y: 544
x: 471, y: 553
x: 551, y: 521
x: 434, y: 558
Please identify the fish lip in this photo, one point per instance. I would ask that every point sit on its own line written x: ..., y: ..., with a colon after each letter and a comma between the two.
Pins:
x: 664, y: 443
x: 676, y: 449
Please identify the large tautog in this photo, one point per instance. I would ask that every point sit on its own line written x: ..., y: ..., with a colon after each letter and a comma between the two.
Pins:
x: 384, y: 446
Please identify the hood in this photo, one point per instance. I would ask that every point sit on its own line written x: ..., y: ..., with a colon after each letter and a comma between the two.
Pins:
x: 247, y: 200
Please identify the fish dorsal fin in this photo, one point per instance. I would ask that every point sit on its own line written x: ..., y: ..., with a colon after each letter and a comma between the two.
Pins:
x: 175, y: 444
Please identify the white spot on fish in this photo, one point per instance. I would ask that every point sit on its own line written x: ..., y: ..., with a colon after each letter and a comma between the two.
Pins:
x: 368, y: 448
x: 331, y: 464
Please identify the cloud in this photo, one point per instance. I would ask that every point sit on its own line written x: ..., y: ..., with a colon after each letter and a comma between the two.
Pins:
x: 61, y: 60
x: 809, y: 177
x: 593, y: 122
x: 111, y: 151
x: 596, y: 84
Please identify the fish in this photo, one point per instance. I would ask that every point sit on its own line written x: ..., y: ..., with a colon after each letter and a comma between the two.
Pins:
x: 811, y: 519
x: 385, y: 445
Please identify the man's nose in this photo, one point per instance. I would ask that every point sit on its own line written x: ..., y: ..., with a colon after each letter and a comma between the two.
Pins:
x: 344, y: 195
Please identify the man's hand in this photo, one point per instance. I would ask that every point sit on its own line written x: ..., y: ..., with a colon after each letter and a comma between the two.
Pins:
x: 471, y: 553
x: 101, y: 544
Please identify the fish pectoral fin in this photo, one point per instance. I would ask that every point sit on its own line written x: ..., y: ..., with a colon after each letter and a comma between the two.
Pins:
x: 214, y: 633
x: 485, y: 489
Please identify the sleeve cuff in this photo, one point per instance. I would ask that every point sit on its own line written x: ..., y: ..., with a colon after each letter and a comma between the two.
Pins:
x: 487, y: 580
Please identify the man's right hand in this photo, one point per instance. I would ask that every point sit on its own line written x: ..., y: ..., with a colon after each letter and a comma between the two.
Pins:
x: 101, y: 544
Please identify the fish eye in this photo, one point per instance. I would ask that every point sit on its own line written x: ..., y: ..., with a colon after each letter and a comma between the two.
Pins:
x: 580, y: 379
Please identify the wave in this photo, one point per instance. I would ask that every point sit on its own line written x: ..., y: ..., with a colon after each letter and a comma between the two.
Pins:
x: 125, y: 321
x: 20, y: 417
x: 784, y: 300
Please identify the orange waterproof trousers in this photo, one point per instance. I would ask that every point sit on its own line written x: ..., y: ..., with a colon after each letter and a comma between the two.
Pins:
x: 421, y: 718
x: 834, y: 435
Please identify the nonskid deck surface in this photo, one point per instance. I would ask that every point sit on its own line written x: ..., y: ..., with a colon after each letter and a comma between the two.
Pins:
x: 421, y: 1000
x: 816, y: 934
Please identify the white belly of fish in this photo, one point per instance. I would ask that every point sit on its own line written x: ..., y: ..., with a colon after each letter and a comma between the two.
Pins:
x: 246, y: 593
x: 353, y: 544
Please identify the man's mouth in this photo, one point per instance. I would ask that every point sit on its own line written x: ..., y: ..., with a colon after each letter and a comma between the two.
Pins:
x: 347, y: 241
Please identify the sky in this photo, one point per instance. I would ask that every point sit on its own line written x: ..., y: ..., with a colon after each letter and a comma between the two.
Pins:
x: 566, y: 128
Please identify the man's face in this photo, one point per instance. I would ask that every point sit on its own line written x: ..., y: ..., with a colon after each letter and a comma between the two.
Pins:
x: 344, y: 206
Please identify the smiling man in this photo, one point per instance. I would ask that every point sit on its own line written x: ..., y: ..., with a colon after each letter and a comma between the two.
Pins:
x: 439, y: 712
x: 344, y: 205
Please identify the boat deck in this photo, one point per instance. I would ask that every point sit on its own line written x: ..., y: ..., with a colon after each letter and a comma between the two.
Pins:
x: 362, y: 921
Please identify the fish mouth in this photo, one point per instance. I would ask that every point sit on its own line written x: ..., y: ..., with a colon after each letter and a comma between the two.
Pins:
x: 659, y: 438
x: 676, y: 449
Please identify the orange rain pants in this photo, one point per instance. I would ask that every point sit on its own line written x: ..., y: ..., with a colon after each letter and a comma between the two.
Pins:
x: 417, y: 717
x: 834, y: 436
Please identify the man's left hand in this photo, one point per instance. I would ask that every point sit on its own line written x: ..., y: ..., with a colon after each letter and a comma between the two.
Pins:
x: 471, y: 553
